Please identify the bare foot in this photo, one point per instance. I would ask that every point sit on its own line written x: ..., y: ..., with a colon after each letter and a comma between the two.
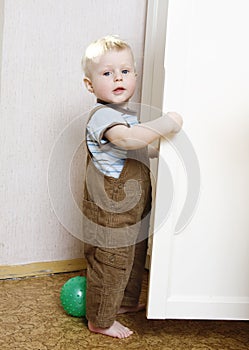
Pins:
x: 125, y: 309
x: 117, y: 330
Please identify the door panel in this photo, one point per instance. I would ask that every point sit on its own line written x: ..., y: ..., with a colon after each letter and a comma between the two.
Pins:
x: 202, y: 272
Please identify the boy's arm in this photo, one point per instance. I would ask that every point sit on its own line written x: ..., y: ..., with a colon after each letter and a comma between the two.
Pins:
x: 141, y: 135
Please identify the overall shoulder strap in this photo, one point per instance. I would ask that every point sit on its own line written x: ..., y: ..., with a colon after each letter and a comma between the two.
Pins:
x: 94, y: 110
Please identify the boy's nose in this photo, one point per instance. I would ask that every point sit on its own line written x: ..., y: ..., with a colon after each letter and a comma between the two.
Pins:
x: 118, y: 76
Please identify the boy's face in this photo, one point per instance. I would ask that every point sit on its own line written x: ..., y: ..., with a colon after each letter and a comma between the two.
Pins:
x: 113, y: 77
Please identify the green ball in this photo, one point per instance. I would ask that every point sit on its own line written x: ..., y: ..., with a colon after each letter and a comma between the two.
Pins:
x: 73, y: 296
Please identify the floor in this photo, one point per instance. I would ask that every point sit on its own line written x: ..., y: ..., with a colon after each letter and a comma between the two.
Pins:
x: 31, y: 317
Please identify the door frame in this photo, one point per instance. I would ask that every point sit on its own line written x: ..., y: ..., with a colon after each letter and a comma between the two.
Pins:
x: 154, y: 50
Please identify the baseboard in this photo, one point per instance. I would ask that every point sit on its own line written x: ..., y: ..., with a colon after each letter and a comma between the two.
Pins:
x: 41, y: 268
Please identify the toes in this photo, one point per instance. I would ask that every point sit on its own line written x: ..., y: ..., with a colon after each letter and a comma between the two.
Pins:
x: 117, y: 330
x: 122, y: 331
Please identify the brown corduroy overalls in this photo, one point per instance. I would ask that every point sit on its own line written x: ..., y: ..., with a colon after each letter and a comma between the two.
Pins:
x: 116, y: 223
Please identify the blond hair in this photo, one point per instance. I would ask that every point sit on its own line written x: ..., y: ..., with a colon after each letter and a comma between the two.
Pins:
x: 100, y: 47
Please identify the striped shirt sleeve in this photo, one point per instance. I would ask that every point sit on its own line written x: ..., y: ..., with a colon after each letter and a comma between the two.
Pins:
x: 102, y: 120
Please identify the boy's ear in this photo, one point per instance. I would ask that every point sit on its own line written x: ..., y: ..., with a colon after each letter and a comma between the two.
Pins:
x: 88, y: 84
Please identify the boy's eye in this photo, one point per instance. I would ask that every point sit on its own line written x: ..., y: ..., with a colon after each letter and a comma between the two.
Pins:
x: 107, y: 74
x: 125, y: 71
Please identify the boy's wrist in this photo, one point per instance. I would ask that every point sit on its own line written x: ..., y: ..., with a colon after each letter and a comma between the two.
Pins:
x: 176, y: 119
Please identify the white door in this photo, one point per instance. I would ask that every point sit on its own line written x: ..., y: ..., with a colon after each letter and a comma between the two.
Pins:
x: 201, y: 270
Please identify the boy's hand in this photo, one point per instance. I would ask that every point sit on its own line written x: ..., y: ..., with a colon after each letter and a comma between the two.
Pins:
x: 176, y: 120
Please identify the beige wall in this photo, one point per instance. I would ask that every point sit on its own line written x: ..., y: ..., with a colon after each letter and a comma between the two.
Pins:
x: 1, y: 36
x: 41, y: 93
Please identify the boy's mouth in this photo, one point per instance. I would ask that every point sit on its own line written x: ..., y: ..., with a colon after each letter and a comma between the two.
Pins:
x: 118, y: 90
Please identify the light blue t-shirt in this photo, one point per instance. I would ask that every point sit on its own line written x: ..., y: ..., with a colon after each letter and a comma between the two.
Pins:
x: 107, y: 157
